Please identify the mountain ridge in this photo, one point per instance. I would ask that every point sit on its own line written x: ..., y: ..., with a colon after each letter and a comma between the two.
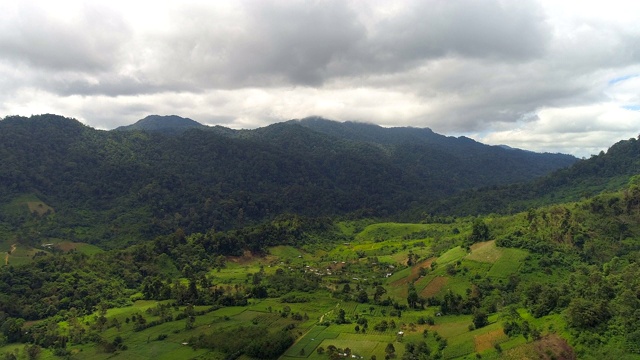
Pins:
x: 222, y: 178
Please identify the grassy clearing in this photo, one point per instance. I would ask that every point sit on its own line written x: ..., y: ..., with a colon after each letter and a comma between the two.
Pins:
x: 509, y: 263
x: 457, y: 253
x: 485, y: 252
x: 20, y: 255
x: 285, y: 252
x: 361, y: 348
x: 387, y: 231
x: 19, y: 204
x: 38, y: 207
x: 87, y: 249
x: 450, y: 326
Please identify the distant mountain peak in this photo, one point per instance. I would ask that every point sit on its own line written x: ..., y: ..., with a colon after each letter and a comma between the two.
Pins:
x: 163, y: 123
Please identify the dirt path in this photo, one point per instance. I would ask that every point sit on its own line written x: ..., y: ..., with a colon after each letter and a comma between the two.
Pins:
x: 6, y: 258
x: 415, y: 273
x: 327, y: 313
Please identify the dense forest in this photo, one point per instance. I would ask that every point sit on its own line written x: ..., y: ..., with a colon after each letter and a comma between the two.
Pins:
x: 125, y: 184
x: 286, y: 242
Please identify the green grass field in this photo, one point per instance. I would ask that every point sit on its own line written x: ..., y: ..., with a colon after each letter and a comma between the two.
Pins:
x: 485, y: 252
x: 457, y: 253
x: 509, y: 263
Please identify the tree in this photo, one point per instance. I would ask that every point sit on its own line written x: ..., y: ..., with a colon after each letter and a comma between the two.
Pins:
x: 341, y: 317
x: 33, y: 351
x: 479, y: 232
x: 12, y: 329
x: 480, y: 319
x: 390, y: 349
x: 379, y: 292
x: 583, y: 313
x: 412, y: 297
x: 362, y: 296
x: 346, y: 289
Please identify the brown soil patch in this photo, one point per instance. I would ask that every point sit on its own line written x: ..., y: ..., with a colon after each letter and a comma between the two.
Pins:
x: 549, y: 347
x: 248, y: 257
x: 6, y: 257
x: 415, y: 272
x: 554, y: 347
x: 487, y: 341
x: 480, y: 245
x: 38, y: 207
x: 434, y: 286
x: 485, y: 252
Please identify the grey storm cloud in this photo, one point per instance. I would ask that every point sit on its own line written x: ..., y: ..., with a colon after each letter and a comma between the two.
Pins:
x: 309, y: 43
x: 267, y: 44
x: 501, y: 30
x: 89, y: 43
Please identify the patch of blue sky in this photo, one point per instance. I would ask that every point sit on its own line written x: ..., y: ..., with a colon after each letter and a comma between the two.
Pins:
x: 632, y: 107
x: 622, y: 78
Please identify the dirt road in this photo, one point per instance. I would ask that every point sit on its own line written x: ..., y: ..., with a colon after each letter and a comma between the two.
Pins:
x: 6, y: 258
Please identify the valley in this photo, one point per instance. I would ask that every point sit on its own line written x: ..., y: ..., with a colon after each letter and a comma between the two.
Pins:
x: 351, y: 258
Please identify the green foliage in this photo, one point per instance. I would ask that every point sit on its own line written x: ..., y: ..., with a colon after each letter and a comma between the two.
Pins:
x: 257, y: 342
x: 111, y: 188
x: 608, y: 171
x: 479, y: 232
x: 480, y: 319
x: 568, y: 268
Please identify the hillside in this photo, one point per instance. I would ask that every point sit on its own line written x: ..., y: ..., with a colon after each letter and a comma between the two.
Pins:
x: 122, y: 185
x: 212, y: 255
x: 555, y: 282
x: 607, y: 171
x: 432, y: 152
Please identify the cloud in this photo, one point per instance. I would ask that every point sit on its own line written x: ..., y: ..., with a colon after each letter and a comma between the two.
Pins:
x: 81, y: 39
x: 582, y: 131
x: 500, y: 30
x: 497, y: 70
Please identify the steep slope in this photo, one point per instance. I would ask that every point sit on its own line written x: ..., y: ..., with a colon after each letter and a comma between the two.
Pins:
x: 460, y: 156
x: 126, y: 184
x: 604, y: 172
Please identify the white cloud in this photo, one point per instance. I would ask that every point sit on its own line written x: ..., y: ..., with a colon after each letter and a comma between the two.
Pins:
x: 581, y: 131
x: 538, y: 74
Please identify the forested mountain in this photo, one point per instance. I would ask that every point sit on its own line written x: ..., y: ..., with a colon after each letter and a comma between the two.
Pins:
x: 166, y: 124
x: 124, y: 184
x: 603, y: 172
x: 458, y: 159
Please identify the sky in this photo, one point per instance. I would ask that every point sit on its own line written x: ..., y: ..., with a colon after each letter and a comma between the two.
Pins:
x: 542, y: 75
